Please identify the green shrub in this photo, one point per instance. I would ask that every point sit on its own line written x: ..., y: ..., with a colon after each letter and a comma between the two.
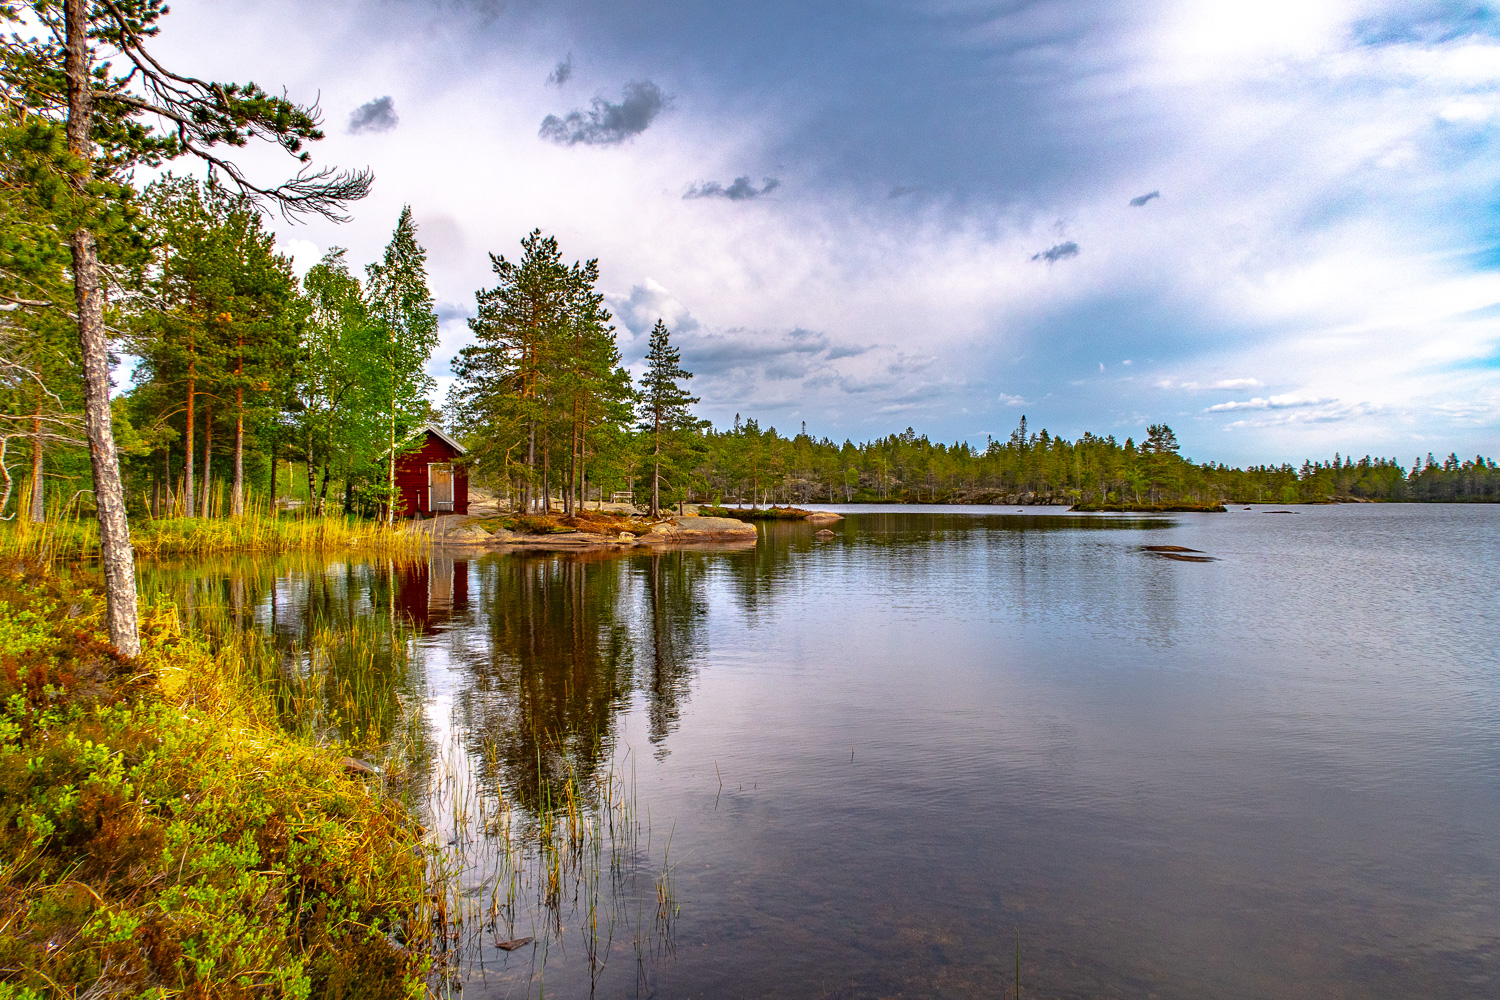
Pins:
x: 160, y: 837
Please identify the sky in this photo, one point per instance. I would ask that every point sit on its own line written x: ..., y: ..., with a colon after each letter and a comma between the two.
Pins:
x: 1273, y: 225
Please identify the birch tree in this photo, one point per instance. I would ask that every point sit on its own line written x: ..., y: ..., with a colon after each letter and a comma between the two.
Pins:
x: 89, y: 69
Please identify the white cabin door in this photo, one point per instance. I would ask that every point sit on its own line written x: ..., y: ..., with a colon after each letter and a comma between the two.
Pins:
x: 440, y: 487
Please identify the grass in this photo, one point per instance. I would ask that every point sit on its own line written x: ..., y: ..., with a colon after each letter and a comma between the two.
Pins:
x: 163, y: 835
x: 68, y: 535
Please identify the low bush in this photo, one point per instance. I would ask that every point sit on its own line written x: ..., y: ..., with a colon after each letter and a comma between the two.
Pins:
x: 162, y: 837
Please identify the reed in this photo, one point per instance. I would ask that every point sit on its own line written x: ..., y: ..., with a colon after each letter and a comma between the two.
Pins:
x: 67, y: 533
x: 504, y: 868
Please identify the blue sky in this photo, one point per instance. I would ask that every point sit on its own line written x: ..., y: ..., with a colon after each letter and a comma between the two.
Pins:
x: 1273, y: 225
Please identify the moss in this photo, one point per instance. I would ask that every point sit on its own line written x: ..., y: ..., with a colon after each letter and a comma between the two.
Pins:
x: 161, y: 837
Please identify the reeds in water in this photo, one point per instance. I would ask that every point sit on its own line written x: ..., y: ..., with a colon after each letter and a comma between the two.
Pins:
x: 67, y: 533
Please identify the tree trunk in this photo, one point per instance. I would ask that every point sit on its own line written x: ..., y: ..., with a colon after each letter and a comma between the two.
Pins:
x: 528, y: 499
x: 208, y: 456
x: 187, y: 468
x: 275, y: 449
x: 38, y: 493
x: 656, y: 469
x: 323, y: 493
x: 115, y: 552
x: 572, y: 465
x: 109, y: 493
x: 237, y: 503
x: 390, y: 482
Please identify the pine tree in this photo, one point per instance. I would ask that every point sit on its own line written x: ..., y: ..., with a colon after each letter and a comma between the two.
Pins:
x: 57, y: 76
x: 664, y: 403
x: 504, y: 378
x: 591, y: 383
x: 220, y: 326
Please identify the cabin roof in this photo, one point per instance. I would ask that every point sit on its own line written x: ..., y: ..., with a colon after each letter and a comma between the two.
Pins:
x: 436, y: 432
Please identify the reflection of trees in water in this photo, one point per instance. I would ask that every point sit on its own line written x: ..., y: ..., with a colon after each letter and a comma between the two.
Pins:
x: 757, y: 572
x: 550, y: 645
x: 334, y: 656
x: 552, y: 674
x: 567, y: 639
x: 675, y: 613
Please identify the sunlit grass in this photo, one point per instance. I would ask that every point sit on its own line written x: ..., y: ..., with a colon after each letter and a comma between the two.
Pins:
x: 69, y: 534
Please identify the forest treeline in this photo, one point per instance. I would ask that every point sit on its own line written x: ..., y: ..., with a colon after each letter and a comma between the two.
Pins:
x: 251, y: 387
x: 251, y: 384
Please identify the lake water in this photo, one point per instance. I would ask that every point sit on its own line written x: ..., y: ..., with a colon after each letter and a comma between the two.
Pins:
x: 868, y: 766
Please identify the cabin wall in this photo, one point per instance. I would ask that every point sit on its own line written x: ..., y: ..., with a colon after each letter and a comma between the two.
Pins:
x: 411, y: 478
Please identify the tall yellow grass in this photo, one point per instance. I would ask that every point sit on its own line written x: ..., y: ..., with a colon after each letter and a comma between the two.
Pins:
x: 67, y: 534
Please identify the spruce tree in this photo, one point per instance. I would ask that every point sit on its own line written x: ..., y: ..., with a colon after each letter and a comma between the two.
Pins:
x: 664, y: 403
x: 404, y: 329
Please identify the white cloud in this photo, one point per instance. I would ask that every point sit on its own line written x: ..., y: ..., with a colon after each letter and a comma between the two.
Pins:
x: 1282, y: 402
x: 304, y: 254
x: 1307, y: 232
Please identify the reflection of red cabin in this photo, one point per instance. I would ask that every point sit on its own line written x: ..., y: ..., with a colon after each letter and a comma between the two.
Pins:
x: 430, y: 478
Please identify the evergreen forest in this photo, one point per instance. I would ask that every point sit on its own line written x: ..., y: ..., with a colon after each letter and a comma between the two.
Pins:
x: 252, y: 389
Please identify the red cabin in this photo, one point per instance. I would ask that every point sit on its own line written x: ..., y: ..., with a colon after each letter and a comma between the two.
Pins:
x: 429, y: 478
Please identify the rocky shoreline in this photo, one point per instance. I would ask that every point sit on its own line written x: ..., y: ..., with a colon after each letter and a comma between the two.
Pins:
x: 471, y: 532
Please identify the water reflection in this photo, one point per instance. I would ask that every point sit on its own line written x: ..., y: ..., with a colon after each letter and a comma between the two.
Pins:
x: 433, y: 592
x: 876, y: 756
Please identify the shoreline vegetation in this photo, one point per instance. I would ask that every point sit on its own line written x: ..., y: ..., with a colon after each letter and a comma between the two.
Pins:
x: 258, y: 531
x: 1148, y: 508
x: 165, y: 833
x: 766, y: 513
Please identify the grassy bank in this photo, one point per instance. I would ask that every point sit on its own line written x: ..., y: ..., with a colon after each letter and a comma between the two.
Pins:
x: 162, y: 835
x: 259, y: 532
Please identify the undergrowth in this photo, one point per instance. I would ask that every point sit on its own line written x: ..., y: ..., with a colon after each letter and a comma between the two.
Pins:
x: 161, y: 836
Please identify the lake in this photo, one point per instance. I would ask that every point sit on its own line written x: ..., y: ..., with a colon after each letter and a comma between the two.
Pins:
x: 886, y: 763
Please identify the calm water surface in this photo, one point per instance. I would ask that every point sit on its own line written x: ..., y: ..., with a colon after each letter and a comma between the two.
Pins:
x: 867, y: 764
